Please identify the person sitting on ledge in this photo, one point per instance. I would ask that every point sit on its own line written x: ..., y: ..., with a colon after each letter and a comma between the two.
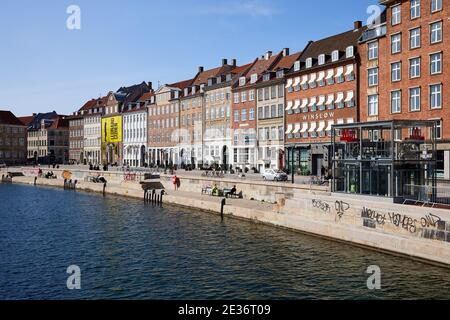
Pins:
x: 215, y: 190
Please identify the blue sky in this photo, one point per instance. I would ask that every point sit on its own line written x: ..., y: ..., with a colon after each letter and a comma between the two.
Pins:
x: 45, y: 66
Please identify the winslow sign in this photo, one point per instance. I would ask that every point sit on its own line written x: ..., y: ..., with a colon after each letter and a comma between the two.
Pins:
x: 318, y: 116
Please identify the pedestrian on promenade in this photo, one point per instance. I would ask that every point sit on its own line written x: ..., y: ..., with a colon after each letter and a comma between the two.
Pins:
x: 175, y: 182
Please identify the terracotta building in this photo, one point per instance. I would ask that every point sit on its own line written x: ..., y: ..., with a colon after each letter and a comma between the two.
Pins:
x: 218, y: 135
x: 405, y: 68
x: 270, y: 105
x: 163, y: 124
x: 13, y: 134
x: 321, y: 90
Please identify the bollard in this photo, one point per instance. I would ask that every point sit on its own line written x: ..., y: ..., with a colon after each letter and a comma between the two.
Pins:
x: 35, y: 180
x: 75, y: 185
x: 224, y: 200
x: 104, y: 189
x: 65, y: 183
x: 161, y: 198
x: 145, y: 196
x: 153, y: 195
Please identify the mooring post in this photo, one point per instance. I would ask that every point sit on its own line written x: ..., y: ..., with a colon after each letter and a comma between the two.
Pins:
x: 224, y: 200
x: 65, y: 183
x: 145, y: 196
x: 104, y: 189
x: 35, y: 180
x: 75, y: 185
x: 153, y: 196
x: 161, y: 198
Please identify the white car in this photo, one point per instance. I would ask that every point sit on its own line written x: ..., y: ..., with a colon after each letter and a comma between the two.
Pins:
x: 274, y: 175
x: 2, y: 165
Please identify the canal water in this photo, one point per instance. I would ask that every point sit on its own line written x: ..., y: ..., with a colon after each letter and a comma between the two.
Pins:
x: 129, y: 250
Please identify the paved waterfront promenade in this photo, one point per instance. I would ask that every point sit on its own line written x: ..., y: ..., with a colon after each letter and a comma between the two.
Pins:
x: 421, y: 233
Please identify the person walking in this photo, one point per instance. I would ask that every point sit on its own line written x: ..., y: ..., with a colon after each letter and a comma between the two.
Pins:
x: 175, y: 182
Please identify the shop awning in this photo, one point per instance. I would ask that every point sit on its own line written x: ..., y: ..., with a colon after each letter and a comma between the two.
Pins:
x: 350, y: 96
x: 321, y: 101
x: 296, y: 105
x: 296, y: 82
x: 289, y: 105
x: 312, y: 78
x: 312, y: 101
x: 340, y: 72
x: 321, y: 126
x: 304, y: 127
x: 330, y: 124
x: 340, y: 97
x: 330, y: 99
x: 297, y: 128
x: 289, y: 83
x: 304, y: 103
x: 330, y: 74
x: 313, y: 127
x: 304, y: 80
x: 321, y: 76
x: 350, y: 70
x: 289, y: 129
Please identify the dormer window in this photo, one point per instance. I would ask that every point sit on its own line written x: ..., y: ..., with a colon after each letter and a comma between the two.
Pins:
x: 335, y: 56
x: 193, y: 90
x: 309, y: 62
x: 209, y: 82
x: 229, y: 77
x: 254, y: 78
x: 186, y: 91
x: 297, y: 66
x: 242, y: 81
x: 321, y: 59
x: 219, y: 79
x: 280, y: 74
x: 202, y: 87
x: 266, y: 77
x: 349, y: 52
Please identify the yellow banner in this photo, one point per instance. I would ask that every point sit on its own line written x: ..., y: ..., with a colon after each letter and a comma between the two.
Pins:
x: 112, y: 129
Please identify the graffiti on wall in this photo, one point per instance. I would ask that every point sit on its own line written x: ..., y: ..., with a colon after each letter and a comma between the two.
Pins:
x: 321, y: 205
x: 340, y: 207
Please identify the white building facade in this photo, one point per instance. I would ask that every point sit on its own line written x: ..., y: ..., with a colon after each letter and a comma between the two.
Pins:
x: 135, y: 137
x: 92, y: 138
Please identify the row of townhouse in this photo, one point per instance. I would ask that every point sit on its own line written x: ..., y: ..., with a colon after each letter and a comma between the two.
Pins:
x: 278, y: 111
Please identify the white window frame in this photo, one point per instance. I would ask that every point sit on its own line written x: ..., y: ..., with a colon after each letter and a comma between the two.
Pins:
x: 397, y: 71
x: 415, y: 96
x: 372, y: 50
x: 415, y: 67
x: 432, y: 32
x: 372, y: 77
x: 372, y: 103
x: 397, y: 13
x: 436, y: 6
x: 335, y: 56
x: 309, y: 63
x: 417, y: 38
x: 350, y: 52
x: 398, y: 41
x: 436, y: 62
x: 437, y: 93
x: 321, y: 59
x: 415, y: 9
x: 398, y: 99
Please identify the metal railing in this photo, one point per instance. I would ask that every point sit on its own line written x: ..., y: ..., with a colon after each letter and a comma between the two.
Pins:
x: 426, y: 195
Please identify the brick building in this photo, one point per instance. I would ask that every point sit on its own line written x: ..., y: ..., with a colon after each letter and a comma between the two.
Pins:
x: 76, y: 138
x: 405, y: 68
x: 321, y: 90
x: 13, y: 134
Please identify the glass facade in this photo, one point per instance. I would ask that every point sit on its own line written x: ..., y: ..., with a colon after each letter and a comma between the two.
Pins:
x: 394, y: 159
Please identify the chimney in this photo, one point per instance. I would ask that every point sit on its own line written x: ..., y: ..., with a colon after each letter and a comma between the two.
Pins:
x: 224, y: 62
x: 234, y: 62
x: 357, y: 25
x: 201, y: 69
x: 150, y: 85
x: 268, y: 55
x: 285, y: 52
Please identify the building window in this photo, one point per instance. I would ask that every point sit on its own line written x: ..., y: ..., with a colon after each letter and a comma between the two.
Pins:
x: 236, y: 116
x: 396, y: 43
x: 244, y: 115
x: 280, y: 91
x: 321, y: 59
x: 297, y: 66
x: 436, y: 32
x: 335, y: 56
x: 436, y: 63
x: 260, y: 113
x: 414, y: 38
x: 396, y: 71
x: 396, y: 15
x: 242, y: 81
x: 373, y: 50
x: 396, y: 101
x: 236, y: 98
x: 251, y: 95
x: 438, y: 133
x: 436, y: 5
x: 373, y: 77
x: 309, y: 62
x: 273, y: 92
x: 260, y: 94
x: 243, y: 96
x: 414, y: 68
x: 373, y: 105
x: 414, y: 99
x: 436, y: 96
x: 251, y: 114
x: 266, y: 93
x: 415, y: 9
x: 280, y: 110
x: 349, y: 52
x: 254, y: 78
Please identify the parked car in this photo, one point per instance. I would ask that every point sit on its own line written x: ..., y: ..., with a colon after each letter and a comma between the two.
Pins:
x: 2, y: 164
x: 274, y: 175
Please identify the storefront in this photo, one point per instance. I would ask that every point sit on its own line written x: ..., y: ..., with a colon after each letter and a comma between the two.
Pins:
x: 393, y: 159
